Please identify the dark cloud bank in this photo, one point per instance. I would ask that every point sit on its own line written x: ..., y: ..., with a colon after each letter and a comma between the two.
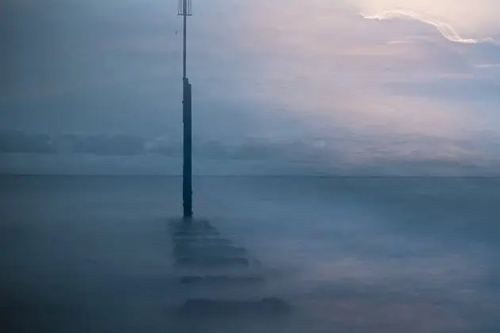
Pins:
x: 127, y: 145
x: 120, y: 153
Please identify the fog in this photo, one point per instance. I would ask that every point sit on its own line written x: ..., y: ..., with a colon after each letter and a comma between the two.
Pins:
x: 95, y: 253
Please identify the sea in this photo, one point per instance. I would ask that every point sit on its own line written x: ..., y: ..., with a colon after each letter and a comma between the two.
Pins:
x: 346, y: 254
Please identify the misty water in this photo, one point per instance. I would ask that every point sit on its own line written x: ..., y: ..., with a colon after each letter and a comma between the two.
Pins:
x: 339, y: 87
x: 94, y: 254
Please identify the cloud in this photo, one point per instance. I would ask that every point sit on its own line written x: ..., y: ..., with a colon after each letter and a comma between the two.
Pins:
x: 345, y: 154
x: 104, y: 145
x: 445, y: 29
x: 487, y: 66
x: 19, y: 142
x: 466, y: 21
x: 451, y: 89
x: 219, y: 150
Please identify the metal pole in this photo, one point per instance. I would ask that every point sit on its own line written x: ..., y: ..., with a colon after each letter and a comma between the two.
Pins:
x: 184, y: 47
x: 187, y: 181
x: 187, y: 165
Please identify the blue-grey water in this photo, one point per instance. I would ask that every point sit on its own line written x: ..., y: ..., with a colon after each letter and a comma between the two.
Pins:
x: 389, y: 255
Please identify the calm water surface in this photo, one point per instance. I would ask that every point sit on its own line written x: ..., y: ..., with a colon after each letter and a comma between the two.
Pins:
x: 93, y: 254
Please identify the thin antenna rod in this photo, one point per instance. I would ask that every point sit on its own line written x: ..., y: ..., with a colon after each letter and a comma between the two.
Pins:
x: 185, y: 10
x: 184, y: 44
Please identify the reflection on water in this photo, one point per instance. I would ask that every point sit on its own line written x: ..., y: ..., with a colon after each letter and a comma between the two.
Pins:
x: 99, y: 254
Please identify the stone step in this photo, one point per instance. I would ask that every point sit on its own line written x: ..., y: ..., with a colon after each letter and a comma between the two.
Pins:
x: 216, y: 277
x: 190, y: 250
x: 194, y: 233
x: 270, y: 306
x: 181, y: 271
x: 218, y: 280
x: 202, y: 241
x: 212, y: 262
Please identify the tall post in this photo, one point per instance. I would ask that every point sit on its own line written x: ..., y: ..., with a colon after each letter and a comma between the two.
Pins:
x: 187, y: 186
x: 187, y: 170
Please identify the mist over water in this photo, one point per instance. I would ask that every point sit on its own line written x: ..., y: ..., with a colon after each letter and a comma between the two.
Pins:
x: 359, y: 254
x: 303, y: 87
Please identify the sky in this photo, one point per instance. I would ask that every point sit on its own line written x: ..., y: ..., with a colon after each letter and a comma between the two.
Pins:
x: 331, y: 84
